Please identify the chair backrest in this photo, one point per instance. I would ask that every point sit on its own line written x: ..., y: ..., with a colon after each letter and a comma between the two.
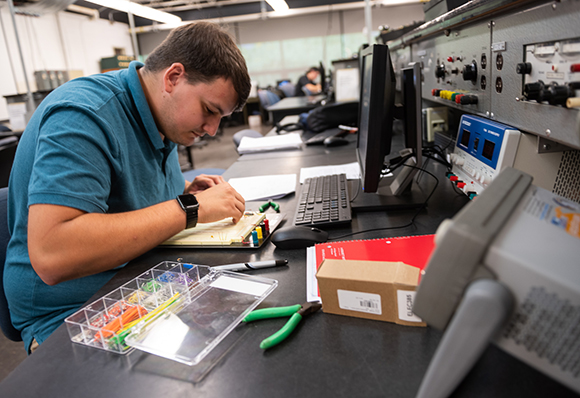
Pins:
x: 272, y: 97
x: 5, y: 322
x: 7, y: 152
x: 288, y: 89
x: 237, y: 137
x: 267, y: 98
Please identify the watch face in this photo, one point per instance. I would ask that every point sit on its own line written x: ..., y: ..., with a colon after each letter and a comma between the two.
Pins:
x: 188, y: 200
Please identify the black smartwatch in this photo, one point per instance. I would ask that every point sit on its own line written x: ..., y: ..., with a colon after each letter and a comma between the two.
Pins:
x: 189, y: 204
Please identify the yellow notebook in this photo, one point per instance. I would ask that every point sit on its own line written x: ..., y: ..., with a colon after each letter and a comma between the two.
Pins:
x: 219, y: 233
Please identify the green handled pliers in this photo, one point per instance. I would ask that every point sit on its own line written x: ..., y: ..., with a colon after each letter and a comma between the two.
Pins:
x: 295, y: 312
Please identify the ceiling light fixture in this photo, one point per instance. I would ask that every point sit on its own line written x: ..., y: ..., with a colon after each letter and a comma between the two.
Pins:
x: 278, y: 5
x: 138, y: 10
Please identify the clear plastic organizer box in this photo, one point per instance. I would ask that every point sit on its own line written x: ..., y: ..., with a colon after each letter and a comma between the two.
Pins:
x: 175, y: 310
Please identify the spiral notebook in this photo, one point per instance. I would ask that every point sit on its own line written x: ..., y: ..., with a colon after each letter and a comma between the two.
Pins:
x: 412, y: 250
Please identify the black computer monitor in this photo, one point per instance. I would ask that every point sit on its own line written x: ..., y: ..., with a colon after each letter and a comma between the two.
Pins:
x: 412, y: 109
x: 376, y: 114
x: 323, y: 83
x: 376, y: 110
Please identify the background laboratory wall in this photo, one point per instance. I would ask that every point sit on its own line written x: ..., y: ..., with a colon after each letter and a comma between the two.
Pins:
x: 61, y: 41
x: 283, y: 48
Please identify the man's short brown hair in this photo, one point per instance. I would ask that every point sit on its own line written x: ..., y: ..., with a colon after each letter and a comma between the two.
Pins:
x: 207, y: 52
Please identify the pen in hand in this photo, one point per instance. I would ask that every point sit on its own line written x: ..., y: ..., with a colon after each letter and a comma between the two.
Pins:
x: 252, y: 265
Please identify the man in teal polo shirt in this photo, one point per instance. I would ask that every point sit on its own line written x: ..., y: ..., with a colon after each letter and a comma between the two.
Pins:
x: 96, y: 180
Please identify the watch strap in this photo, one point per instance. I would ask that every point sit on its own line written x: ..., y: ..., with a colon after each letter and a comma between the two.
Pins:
x: 190, y: 209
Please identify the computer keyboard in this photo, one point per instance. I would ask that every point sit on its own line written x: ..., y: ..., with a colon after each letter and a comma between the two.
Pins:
x: 323, y: 201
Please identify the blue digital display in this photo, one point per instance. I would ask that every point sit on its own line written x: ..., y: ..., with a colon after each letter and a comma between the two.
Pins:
x: 481, y: 138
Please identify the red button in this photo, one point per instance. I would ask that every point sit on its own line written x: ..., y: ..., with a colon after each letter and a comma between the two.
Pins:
x: 454, y: 178
x: 575, y: 68
x: 460, y: 184
x: 458, y: 98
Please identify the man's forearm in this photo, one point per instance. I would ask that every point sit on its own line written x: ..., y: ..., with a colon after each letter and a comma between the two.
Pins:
x: 66, y: 243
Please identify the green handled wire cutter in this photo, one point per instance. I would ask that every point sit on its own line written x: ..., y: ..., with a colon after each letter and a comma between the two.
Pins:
x: 295, y: 312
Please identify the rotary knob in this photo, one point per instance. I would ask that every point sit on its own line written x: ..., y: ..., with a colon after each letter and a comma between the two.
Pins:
x: 470, y: 71
x: 558, y: 94
x: 533, y: 91
x: 440, y: 71
x: 524, y: 68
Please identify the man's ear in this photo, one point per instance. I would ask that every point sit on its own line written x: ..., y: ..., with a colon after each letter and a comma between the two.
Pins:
x: 172, y: 76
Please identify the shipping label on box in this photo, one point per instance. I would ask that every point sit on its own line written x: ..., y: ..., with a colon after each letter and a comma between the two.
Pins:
x: 384, y: 291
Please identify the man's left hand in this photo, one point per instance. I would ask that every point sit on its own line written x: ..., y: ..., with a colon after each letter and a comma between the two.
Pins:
x: 202, y: 182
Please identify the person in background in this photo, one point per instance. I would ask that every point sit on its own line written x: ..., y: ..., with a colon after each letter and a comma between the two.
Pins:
x: 96, y: 179
x: 306, y: 84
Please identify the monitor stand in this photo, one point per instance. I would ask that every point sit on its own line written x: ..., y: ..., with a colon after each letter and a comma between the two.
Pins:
x: 394, y: 193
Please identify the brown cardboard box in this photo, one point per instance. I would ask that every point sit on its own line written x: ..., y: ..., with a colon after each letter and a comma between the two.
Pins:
x: 378, y: 290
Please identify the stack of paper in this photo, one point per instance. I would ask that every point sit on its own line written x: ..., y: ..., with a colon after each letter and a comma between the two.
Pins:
x: 264, y: 187
x: 273, y: 143
x: 352, y: 171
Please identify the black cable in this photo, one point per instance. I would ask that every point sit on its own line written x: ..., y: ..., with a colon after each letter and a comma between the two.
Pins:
x: 442, y: 161
x: 423, y: 167
x: 440, y: 155
x: 400, y: 162
x: 357, y: 189
x: 435, y: 150
x: 410, y: 223
x: 438, y: 150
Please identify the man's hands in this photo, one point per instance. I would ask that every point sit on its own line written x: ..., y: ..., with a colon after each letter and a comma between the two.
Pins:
x: 202, y: 182
x: 217, y: 199
x: 314, y: 88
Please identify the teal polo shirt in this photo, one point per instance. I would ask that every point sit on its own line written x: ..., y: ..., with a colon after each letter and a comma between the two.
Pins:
x: 93, y: 145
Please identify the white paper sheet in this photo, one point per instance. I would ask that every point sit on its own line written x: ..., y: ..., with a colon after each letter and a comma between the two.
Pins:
x: 311, y: 281
x: 352, y: 171
x: 252, y: 288
x: 264, y: 187
x: 347, y: 84
x: 270, y: 143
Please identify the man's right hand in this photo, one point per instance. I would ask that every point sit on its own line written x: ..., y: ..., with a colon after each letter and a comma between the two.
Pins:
x: 219, y: 202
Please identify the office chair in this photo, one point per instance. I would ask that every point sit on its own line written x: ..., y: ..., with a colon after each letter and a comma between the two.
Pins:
x: 267, y: 98
x: 288, y: 89
x: 5, y: 322
x: 237, y: 137
x: 7, y: 152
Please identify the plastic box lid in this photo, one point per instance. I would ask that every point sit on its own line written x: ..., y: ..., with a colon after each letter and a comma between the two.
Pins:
x: 181, y: 311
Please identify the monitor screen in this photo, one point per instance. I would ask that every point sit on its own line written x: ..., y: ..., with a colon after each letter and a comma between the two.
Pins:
x: 376, y: 108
